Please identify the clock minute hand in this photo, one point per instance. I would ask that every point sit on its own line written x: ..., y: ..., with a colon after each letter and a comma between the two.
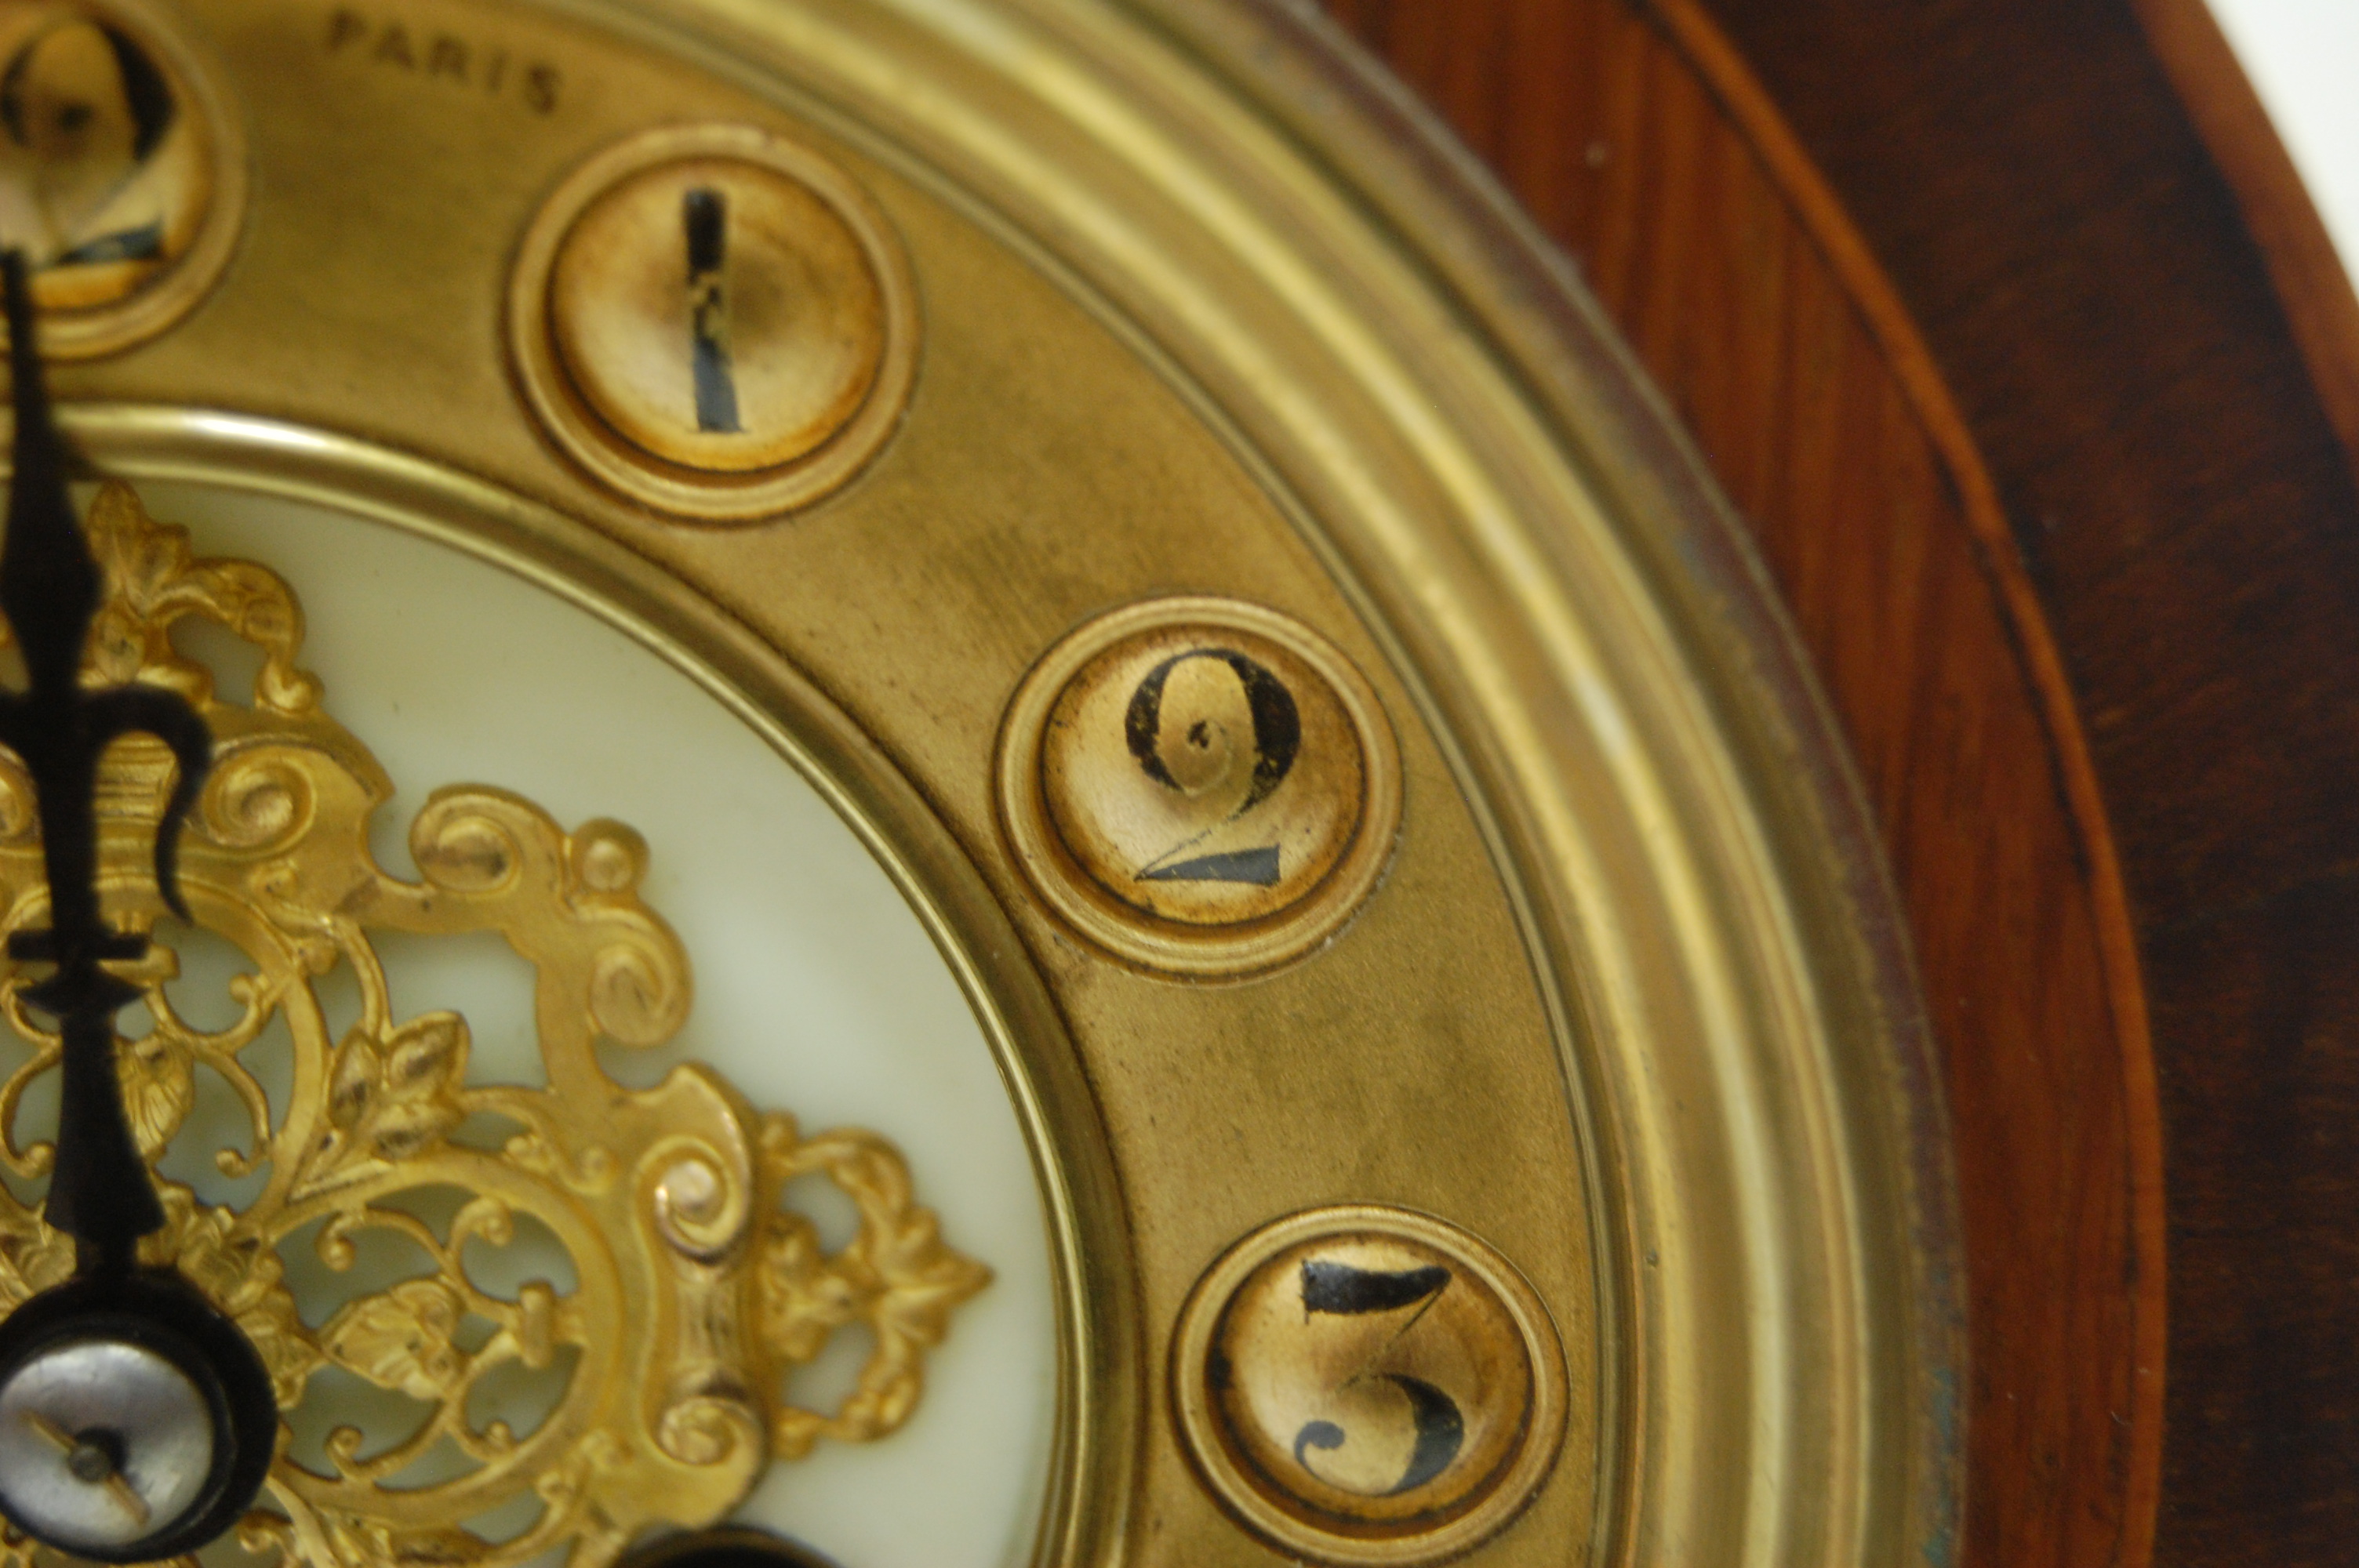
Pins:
x: 166, y: 1401
x: 100, y: 1191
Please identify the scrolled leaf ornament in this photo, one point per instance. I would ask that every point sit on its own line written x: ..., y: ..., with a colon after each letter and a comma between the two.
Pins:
x: 694, y: 1293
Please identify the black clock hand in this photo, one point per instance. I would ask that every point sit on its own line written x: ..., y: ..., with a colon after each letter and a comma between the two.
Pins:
x: 100, y: 1191
x: 136, y: 1421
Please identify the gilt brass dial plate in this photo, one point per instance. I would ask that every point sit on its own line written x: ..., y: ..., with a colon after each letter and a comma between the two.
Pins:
x: 1615, y: 991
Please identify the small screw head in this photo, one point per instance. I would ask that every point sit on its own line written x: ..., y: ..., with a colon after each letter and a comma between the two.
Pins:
x: 103, y: 1443
x: 96, y: 1456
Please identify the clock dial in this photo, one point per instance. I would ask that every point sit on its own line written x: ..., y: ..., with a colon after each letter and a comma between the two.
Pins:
x: 1234, y: 743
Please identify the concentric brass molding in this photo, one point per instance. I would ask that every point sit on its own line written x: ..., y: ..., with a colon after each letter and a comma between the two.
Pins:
x: 1183, y: 274
x: 1602, y: 661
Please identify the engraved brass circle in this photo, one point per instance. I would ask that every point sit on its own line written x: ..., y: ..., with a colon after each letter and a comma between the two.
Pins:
x: 1162, y: 766
x: 122, y: 170
x: 1365, y: 1384
x: 1200, y: 785
x: 715, y: 320
x: 805, y: 333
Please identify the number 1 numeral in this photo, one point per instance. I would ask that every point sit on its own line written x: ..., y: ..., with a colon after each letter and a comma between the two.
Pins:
x: 704, y: 214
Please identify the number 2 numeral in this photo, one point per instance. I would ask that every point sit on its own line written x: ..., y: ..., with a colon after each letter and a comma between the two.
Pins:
x: 1277, y: 738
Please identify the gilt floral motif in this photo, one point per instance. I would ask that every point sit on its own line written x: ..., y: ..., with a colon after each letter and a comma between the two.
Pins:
x: 695, y: 1293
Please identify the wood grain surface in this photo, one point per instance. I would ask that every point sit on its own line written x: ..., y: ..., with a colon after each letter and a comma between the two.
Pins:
x: 2087, y: 271
x: 1971, y: 525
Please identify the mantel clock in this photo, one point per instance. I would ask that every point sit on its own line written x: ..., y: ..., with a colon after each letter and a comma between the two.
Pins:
x: 951, y: 782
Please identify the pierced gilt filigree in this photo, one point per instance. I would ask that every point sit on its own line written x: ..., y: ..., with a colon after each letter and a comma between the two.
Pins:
x: 696, y: 1293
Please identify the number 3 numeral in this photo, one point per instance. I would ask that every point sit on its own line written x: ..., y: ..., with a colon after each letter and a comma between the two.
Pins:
x: 1339, y: 1289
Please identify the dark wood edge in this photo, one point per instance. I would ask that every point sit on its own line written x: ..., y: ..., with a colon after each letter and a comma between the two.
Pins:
x: 1724, y: 74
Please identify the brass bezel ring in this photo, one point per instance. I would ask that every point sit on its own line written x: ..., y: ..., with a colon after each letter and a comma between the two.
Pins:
x: 675, y: 489
x: 1171, y: 947
x: 160, y: 303
x: 1516, y: 1483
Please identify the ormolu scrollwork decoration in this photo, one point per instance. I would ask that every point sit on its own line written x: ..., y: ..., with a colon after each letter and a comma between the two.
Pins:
x: 694, y: 1293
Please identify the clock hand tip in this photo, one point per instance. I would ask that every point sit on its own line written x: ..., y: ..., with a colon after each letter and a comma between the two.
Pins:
x: 48, y: 583
x: 24, y: 354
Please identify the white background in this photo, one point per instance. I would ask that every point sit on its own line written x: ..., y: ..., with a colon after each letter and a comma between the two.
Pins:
x: 2303, y: 58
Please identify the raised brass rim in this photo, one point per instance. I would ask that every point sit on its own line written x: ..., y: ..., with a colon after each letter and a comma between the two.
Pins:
x: 1509, y: 1495
x: 691, y: 494
x: 1169, y: 946
x: 110, y: 328
x: 1421, y: 382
